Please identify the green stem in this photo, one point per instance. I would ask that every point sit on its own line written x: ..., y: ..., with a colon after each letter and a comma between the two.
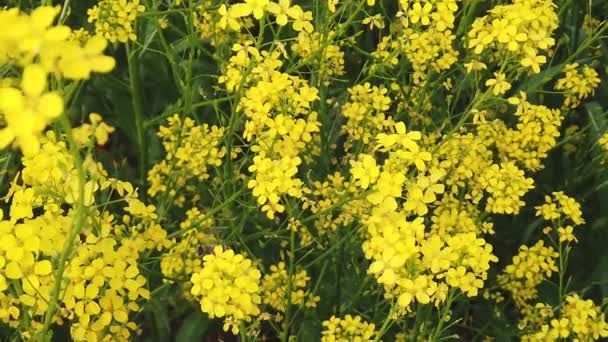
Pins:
x: 386, y: 324
x: 158, y: 119
x: 563, y: 265
x: 64, y: 12
x: 136, y: 101
x: 243, y: 332
x: 343, y: 27
x: 442, y: 317
x: 260, y: 38
x: 292, y: 266
x: 338, y: 291
x: 43, y: 334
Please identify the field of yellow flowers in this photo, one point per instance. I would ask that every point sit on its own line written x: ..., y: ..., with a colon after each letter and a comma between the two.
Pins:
x: 317, y: 170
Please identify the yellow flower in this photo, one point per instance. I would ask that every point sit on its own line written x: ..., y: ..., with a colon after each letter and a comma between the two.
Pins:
x: 163, y: 23
x: 255, y: 7
x: 499, y: 84
x: 331, y: 5
x: 374, y: 21
x: 27, y: 111
x: 228, y: 18
x: 364, y: 171
x: 532, y: 60
x: 566, y: 234
x: 302, y: 20
x: 420, y: 289
x: 280, y: 10
x: 561, y: 327
x: 475, y: 65
x: 419, y: 13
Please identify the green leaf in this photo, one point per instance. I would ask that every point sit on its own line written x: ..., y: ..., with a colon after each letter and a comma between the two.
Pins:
x: 596, y: 117
x: 193, y: 328
x: 310, y: 330
x: 161, y: 321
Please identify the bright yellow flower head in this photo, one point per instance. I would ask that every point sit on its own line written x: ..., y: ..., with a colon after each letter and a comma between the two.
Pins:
x: 28, y: 110
x: 114, y: 19
x: 348, y: 328
x: 228, y: 285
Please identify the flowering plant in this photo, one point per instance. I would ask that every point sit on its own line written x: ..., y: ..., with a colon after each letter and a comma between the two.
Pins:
x: 336, y: 170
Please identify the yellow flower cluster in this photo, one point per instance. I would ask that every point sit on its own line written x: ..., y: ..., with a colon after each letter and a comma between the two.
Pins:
x: 464, y: 156
x: 100, y: 283
x: 366, y: 113
x: 236, y: 73
x: 281, y: 10
x: 411, y: 264
x: 228, y: 285
x: 273, y: 178
x: 530, y: 267
x: 452, y: 216
x: 326, y: 58
x: 468, y: 162
x: 114, y: 19
x: 522, y: 29
x: 533, y: 265
x: 558, y: 206
x: 577, y: 84
x: 564, y: 212
x: 274, y: 289
x: 327, y: 195
x: 184, y: 257
x: 489, y: 160
x: 535, y: 133
x: 578, y: 319
x: 106, y: 285
x: 190, y: 151
x: 419, y: 269
x: 347, y: 329
x: 32, y: 42
x: 427, y: 35
x: 505, y: 184
x: 281, y: 123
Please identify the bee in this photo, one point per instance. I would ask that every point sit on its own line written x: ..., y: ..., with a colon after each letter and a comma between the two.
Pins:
x: 204, y: 250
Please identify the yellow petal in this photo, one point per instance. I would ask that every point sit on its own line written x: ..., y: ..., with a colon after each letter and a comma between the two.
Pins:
x: 43, y: 16
x: 3, y: 284
x: 405, y: 299
x: 102, y: 63
x: 43, y: 268
x: 13, y: 270
x: 12, y: 100
x: 121, y: 316
x: 33, y: 81
x: 240, y: 10
x: 96, y: 45
x: 51, y: 105
x: 6, y: 137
